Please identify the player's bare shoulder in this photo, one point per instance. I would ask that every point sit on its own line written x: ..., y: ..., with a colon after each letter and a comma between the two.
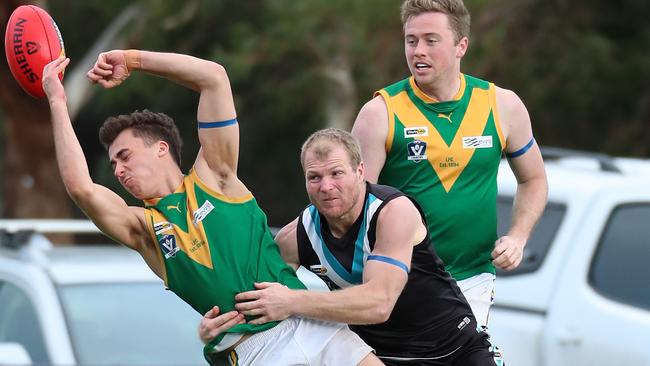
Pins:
x: 372, y: 116
x: 404, y: 211
x: 512, y: 112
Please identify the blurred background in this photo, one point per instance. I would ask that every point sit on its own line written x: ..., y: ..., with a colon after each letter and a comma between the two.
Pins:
x: 581, y: 67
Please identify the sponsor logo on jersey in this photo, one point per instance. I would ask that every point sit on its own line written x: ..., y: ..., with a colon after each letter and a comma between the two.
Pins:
x: 446, y: 116
x: 417, y: 150
x: 318, y: 269
x: 161, y: 227
x: 463, y: 323
x: 176, y: 207
x: 477, y: 142
x: 168, y: 245
x: 416, y: 131
x: 202, y: 212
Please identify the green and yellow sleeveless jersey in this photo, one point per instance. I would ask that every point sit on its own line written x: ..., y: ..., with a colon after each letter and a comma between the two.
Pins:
x: 214, y: 247
x: 446, y: 155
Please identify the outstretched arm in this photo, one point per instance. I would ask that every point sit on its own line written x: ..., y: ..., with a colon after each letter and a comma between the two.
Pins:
x: 526, y: 162
x: 216, y: 163
x: 105, y: 208
x: 368, y: 303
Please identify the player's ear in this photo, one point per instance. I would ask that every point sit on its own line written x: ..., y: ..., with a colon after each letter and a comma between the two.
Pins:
x: 361, y: 171
x: 163, y: 148
x: 461, y: 47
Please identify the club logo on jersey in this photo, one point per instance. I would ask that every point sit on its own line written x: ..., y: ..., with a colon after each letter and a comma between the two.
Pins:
x: 477, y: 142
x: 416, y: 132
x: 168, y: 245
x: 417, y: 150
x: 161, y: 227
x: 202, y: 212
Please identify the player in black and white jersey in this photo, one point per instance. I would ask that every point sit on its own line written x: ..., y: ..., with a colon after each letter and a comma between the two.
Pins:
x: 370, y: 243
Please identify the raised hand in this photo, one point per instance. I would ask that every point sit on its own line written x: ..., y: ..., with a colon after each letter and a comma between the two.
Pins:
x: 111, y: 68
x: 51, y: 82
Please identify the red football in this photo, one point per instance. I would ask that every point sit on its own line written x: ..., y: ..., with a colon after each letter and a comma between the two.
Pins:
x: 32, y: 40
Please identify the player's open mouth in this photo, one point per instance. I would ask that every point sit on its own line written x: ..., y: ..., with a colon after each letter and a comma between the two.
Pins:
x: 422, y: 66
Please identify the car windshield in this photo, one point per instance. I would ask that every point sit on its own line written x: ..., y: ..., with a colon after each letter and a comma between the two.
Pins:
x: 131, y: 324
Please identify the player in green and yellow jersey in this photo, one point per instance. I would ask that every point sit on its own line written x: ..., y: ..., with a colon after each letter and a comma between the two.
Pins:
x: 438, y: 136
x: 202, y: 233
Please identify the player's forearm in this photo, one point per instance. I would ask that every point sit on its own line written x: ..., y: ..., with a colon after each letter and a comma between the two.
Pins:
x: 189, y: 71
x: 70, y: 157
x: 528, y: 207
x: 354, y: 305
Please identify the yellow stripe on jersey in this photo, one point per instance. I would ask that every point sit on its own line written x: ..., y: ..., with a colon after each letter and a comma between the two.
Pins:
x: 391, y: 120
x: 220, y: 196
x: 195, y: 243
x: 495, y: 115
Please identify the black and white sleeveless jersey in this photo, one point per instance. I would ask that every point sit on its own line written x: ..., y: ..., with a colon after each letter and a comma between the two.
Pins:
x: 431, y: 317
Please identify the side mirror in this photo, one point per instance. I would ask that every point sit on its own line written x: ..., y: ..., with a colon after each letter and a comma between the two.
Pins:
x: 14, y: 354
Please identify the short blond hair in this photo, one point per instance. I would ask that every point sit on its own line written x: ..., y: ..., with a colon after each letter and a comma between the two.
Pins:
x: 319, y: 143
x: 459, y: 18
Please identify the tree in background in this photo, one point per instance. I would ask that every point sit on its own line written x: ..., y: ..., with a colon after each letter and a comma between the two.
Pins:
x: 297, y: 66
x: 580, y: 66
x: 28, y: 186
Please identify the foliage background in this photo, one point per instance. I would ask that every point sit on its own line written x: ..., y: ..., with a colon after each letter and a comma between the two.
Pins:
x: 580, y: 66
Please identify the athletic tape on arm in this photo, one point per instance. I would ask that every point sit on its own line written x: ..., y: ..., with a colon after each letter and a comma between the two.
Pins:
x: 389, y: 260
x: 229, y: 122
x: 521, y: 151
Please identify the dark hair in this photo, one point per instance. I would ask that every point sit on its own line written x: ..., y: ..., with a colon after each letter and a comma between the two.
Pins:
x: 149, y: 126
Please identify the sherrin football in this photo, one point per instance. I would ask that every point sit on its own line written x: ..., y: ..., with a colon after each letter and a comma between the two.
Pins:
x: 32, y: 40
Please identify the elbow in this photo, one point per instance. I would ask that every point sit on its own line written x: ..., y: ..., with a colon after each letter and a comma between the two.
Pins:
x: 381, y: 311
x: 215, y: 76
x: 79, y: 192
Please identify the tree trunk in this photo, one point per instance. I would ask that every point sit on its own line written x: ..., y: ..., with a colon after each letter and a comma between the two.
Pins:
x: 340, y: 89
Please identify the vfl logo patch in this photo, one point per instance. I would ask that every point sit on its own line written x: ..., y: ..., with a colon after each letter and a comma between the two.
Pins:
x: 477, y: 142
x: 202, y: 212
x: 161, y: 227
x: 168, y: 245
x: 416, y: 131
x: 417, y: 150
